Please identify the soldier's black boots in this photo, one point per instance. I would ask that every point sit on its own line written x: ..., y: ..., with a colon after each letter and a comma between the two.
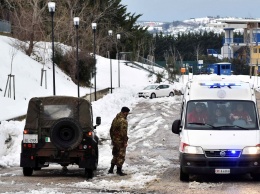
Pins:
x: 111, y: 170
x: 119, y: 172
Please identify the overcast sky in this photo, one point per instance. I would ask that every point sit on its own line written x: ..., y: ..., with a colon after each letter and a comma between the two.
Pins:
x: 172, y: 10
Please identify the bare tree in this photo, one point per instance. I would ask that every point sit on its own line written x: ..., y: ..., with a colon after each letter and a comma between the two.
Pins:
x: 27, y: 21
x: 198, y: 50
x: 171, y: 62
x: 11, y: 77
x: 13, y: 51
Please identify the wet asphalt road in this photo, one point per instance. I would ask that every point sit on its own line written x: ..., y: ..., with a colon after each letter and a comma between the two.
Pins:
x: 152, y: 150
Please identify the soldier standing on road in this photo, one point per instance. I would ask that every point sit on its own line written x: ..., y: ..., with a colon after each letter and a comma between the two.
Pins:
x: 118, y: 134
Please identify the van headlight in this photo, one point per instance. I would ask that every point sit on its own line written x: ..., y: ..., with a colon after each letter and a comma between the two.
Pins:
x: 251, y: 150
x: 192, y: 150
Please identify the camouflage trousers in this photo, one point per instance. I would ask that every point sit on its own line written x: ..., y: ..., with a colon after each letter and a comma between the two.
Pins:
x: 118, y: 156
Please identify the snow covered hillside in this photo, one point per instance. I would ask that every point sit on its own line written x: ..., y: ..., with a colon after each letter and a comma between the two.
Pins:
x: 27, y: 78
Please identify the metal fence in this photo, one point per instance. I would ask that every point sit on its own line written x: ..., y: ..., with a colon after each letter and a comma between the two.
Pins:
x: 5, y: 26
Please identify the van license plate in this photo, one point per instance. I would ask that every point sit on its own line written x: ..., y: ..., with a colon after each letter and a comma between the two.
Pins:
x: 30, y: 138
x: 222, y: 171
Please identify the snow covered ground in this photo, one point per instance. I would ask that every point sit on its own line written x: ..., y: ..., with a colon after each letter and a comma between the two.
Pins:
x: 27, y: 84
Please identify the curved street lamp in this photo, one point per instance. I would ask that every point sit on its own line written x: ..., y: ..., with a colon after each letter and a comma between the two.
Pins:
x: 76, y: 24
x: 110, y: 33
x: 94, y: 27
x: 51, y: 6
x: 118, y: 37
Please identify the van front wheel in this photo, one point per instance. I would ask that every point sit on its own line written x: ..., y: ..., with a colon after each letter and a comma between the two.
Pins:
x: 184, y: 176
x: 256, y: 177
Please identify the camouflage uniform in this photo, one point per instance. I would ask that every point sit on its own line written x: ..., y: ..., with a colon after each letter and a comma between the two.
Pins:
x: 118, y: 134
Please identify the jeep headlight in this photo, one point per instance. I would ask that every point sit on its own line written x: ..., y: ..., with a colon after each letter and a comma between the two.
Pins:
x: 192, y: 150
x: 252, y: 150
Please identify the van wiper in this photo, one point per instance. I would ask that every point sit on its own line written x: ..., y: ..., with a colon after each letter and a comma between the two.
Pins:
x: 236, y: 126
x: 218, y: 127
x: 229, y: 126
x: 204, y: 124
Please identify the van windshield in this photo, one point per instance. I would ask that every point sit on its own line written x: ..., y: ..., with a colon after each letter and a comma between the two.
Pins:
x: 219, y: 115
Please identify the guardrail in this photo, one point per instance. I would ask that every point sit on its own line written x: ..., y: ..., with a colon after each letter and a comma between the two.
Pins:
x: 90, y: 97
x: 148, y: 62
x: 99, y: 93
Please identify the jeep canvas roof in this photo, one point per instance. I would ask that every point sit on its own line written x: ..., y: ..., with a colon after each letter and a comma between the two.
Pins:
x: 36, y: 109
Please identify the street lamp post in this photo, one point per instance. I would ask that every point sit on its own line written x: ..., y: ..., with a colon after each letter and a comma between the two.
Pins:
x: 118, y: 36
x: 76, y: 24
x: 110, y: 33
x: 94, y: 27
x: 51, y: 6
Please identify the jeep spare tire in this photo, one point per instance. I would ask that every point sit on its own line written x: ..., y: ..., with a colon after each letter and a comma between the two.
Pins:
x: 66, y: 134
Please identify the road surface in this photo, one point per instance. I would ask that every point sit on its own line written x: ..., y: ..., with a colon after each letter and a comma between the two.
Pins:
x: 153, y: 153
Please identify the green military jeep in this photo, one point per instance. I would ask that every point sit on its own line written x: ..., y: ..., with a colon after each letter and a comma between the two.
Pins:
x: 59, y: 129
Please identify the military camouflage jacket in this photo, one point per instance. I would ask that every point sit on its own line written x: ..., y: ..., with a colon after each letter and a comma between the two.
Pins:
x: 118, y: 130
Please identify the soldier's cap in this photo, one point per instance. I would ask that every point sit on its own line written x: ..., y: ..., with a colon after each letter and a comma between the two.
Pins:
x: 125, y: 109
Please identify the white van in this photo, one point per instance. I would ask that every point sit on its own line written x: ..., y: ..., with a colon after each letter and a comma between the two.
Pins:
x: 218, y: 143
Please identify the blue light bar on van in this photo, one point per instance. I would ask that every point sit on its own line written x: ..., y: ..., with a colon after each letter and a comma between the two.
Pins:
x: 219, y: 85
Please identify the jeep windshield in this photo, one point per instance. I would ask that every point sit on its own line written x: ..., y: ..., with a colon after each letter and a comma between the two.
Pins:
x: 221, y: 115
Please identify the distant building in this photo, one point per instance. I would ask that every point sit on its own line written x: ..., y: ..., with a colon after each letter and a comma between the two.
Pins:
x: 255, y: 55
x: 220, y: 68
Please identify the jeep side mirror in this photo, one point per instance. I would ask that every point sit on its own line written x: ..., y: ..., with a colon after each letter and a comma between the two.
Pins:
x: 98, y: 120
x: 176, y: 126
